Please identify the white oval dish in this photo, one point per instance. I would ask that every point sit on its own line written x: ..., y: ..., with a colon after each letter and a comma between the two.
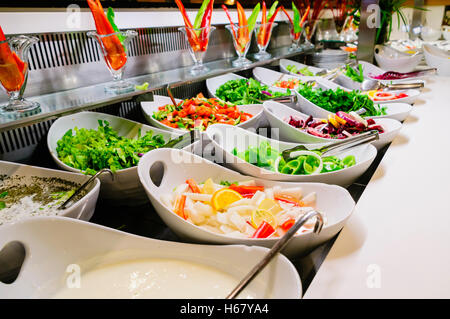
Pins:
x: 370, y: 70
x: 148, y: 108
x: 392, y: 60
x: 88, y: 245
x: 277, y: 112
x: 396, y: 111
x: 413, y: 94
x: 125, y: 185
x: 224, y: 140
x: 285, y: 62
x: 437, y: 58
x: 82, y: 209
x: 334, y: 201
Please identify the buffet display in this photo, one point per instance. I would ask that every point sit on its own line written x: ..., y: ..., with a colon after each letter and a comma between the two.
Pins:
x: 252, y: 191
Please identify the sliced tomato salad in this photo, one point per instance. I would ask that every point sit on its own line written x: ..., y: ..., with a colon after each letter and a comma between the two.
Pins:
x: 380, y: 95
x: 288, y: 84
x: 200, y: 112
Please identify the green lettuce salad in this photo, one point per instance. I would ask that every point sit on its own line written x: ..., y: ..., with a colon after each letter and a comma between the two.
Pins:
x: 246, y: 91
x: 91, y: 150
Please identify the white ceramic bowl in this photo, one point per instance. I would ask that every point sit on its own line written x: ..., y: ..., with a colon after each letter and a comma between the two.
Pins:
x: 44, y: 271
x: 224, y: 140
x: 148, y: 108
x: 446, y: 32
x: 125, y: 188
x: 413, y: 95
x: 334, y: 201
x: 396, y: 111
x: 437, y: 58
x: 82, y: 209
x: 429, y: 34
x: 392, y: 60
x: 347, y: 82
x: 277, y: 112
x: 285, y: 62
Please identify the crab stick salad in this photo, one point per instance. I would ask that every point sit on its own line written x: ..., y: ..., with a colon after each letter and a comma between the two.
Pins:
x: 243, y: 210
x: 380, y: 95
x: 200, y: 112
x: 338, y: 126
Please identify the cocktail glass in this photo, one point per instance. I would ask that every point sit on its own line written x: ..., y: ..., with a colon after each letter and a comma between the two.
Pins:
x: 14, y: 76
x: 114, y: 48
x: 241, y: 40
x: 263, y: 41
x: 198, y: 40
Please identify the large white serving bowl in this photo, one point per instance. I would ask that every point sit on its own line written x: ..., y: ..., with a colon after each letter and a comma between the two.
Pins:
x: 125, y: 187
x: 54, y: 243
x: 437, y: 58
x: 148, y: 108
x: 276, y: 113
x: 396, y: 111
x: 334, y: 201
x: 413, y: 95
x: 224, y: 140
x: 82, y: 209
x: 392, y: 60
x: 285, y: 62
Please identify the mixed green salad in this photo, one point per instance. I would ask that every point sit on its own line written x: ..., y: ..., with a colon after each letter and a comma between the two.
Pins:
x: 302, y: 71
x: 357, y: 76
x: 305, y: 163
x: 91, y: 150
x: 340, y: 100
x: 246, y: 91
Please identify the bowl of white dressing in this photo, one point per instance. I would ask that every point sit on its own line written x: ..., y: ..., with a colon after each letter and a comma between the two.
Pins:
x: 91, y: 261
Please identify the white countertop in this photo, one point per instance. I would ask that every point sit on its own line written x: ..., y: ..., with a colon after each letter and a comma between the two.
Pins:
x: 397, y: 242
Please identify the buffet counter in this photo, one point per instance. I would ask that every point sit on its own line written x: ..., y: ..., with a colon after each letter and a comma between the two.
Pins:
x: 395, y: 245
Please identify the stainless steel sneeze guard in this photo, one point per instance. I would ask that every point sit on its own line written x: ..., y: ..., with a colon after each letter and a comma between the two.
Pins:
x: 67, y: 74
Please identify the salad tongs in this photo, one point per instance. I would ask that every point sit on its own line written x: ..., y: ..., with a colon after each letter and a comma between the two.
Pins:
x: 279, y: 245
x: 338, y: 146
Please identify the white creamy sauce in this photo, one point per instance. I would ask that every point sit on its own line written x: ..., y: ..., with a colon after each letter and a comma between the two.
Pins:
x: 154, y: 278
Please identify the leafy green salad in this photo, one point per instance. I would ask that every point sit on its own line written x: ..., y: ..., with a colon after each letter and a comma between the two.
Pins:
x: 91, y: 150
x: 246, y: 91
x: 340, y: 100
x: 306, y: 163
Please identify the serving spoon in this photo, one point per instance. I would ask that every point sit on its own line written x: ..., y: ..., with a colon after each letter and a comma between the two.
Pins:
x: 279, y: 245
x: 370, y: 84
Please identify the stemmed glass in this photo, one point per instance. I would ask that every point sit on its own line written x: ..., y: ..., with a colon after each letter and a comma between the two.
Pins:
x: 241, y: 40
x: 198, y: 40
x: 114, y: 48
x: 14, y: 73
x: 309, y: 27
x: 295, y: 37
x: 263, y: 32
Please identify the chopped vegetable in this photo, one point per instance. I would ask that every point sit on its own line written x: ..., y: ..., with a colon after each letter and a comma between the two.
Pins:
x: 338, y: 126
x: 287, y: 84
x: 303, y: 71
x: 199, y: 113
x: 264, y: 212
x: 246, y: 91
x: 91, y: 150
x: 354, y: 75
x: 302, y: 163
x: 340, y: 100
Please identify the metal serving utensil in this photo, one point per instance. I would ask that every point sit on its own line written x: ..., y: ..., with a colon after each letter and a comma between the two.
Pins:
x: 369, y: 85
x: 183, y: 140
x: 279, y: 245
x: 337, y: 146
x: 89, y: 181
